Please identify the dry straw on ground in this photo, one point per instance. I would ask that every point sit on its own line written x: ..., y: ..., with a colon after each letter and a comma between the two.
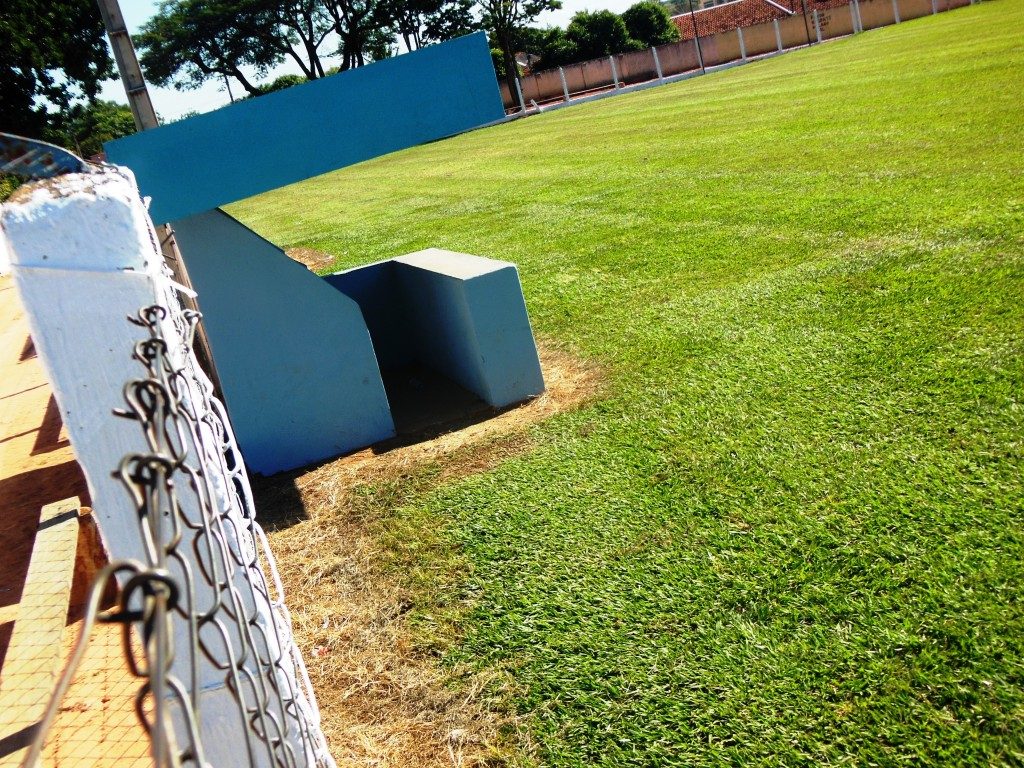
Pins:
x: 384, y: 701
x: 311, y: 258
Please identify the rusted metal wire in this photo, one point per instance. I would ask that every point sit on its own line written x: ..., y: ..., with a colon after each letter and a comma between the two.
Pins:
x: 203, y: 574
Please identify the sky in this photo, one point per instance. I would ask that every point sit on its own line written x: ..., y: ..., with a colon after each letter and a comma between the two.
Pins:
x: 171, y: 104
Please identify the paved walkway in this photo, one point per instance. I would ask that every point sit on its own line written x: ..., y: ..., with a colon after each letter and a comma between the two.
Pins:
x: 97, y: 725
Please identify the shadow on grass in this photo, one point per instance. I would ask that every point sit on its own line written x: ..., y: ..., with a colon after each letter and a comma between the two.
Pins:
x: 424, y: 405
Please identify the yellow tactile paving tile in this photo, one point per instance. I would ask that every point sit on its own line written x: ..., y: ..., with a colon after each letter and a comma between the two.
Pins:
x: 97, y: 725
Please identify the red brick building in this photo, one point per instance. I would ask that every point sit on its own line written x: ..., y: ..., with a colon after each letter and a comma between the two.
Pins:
x: 745, y: 13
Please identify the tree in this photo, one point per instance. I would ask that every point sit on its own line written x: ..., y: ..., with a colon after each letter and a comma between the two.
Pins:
x: 556, y: 50
x: 86, y: 127
x: 189, y: 42
x: 503, y: 18
x: 599, y: 33
x: 280, y: 83
x: 49, y: 61
x: 307, y: 26
x: 422, y: 22
x: 454, y: 18
x: 649, y: 23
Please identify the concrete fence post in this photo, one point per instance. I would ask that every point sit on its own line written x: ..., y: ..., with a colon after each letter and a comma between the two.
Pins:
x: 615, y: 71
x: 778, y: 34
x: 935, y: 7
x: 817, y: 24
x: 657, y: 63
x: 519, y: 94
x: 743, y: 46
x: 896, y: 11
x: 565, y: 85
x: 83, y: 246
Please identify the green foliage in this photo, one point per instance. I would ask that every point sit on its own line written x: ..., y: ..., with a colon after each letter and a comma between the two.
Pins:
x: 422, y: 22
x: 51, y: 57
x: 282, y: 82
x: 789, y: 532
x: 85, y: 127
x: 504, y: 19
x: 189, y: 42
x: 649, y: 23
x: 380, y: 44
x: 593, y: 34
x: 498, y: 60
x: 557, y: 50
x: 7, y: 186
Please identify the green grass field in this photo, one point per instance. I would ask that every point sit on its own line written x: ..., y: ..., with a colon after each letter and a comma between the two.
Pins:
x: 792, y: 529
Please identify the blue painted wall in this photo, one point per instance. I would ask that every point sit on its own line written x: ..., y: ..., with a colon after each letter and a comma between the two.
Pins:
x: 375, y: 289
x: 260, y: 144
x: 294, y: 356
x: 462, y: 315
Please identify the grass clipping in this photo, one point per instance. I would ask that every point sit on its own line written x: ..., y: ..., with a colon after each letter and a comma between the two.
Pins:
x: 384, y: 699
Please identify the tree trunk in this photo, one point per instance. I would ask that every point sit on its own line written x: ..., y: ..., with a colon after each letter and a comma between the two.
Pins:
x: 236, y: 73
x: 511, y: 68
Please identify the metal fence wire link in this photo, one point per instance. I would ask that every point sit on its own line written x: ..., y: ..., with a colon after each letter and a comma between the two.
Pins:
x: 203, y: 577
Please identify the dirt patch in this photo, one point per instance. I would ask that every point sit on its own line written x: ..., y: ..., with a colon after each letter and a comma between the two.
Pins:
x: 313, y: 259
x: 384, y: 701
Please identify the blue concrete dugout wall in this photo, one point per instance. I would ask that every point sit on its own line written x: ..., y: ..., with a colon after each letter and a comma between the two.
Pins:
x: 462, y: 315
x: 294, y: 356
x: 260, y: 144
x: 374, y: 287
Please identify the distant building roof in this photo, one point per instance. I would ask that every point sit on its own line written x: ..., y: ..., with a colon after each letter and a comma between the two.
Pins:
x: 744, y: 13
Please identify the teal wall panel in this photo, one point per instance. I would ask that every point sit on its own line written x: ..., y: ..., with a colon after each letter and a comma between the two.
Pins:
x: 463, y: 316
x: 294, y: 356
x: 260, y: 144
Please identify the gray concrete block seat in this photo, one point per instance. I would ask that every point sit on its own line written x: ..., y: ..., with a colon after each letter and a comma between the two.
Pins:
x: 461, y: 315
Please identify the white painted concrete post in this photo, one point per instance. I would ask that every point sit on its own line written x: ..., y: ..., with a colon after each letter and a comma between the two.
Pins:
x: 519, y: 95
x: 85, y: 256
x: 817, y: 24
x: 743, y: 46
x: 615, y: 71
x: 657, y: 63
x: 896, y: 11
x: 778, y: 34
x: 565, y: 85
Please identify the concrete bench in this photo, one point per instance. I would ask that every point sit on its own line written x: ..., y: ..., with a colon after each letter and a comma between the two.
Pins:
x: 461, y: 315
x: 35, y: 654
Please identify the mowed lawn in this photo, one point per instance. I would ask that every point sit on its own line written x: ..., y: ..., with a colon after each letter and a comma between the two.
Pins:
x: 791, y: 530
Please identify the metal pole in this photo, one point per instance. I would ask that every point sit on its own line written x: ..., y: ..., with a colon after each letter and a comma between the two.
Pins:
x: 519, y: 93
x: 896, y: 11
x: 657, y: 63
x: 817, y: 25
x: 565, y: 86
x: 227, y: 84
x: 807, y: 28
x: 696, y: 39
x: 935, y: 7
x: 743, y: 47
x: 778, y: 34
x: 615, y: 72
x: 128, y: 66
x: 145, y: 119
